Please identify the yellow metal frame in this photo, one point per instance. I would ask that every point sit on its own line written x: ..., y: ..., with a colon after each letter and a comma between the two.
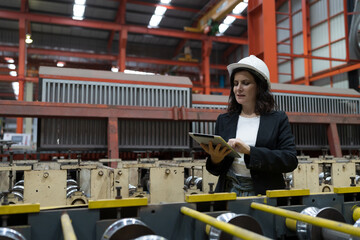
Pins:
x: 210, y: 197
x: 356, y: 213
x: 19, y: 208
x: 217, y: 13
x: 68, y: 230
x: 223, y: 226
x: 346, y: 190
x: 287, y: 193
x: 126, y: 202
x: 320, y: 222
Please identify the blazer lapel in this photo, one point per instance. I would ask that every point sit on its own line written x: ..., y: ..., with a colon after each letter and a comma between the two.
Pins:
x: 231, y: 125
x: 265, y: 133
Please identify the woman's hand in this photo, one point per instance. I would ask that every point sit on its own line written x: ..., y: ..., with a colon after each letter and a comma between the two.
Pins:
x: 239, y: 145
x: 217, y: 154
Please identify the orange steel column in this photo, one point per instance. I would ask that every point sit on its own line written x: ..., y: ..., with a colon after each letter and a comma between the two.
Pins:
x: 262, y: 33
x: 306, y: 40
x: 334, y: 141
x: 205, y: 68
x: 21, y: 69
x: 269, y: 34
x: 123, y: 34
x: 113, y: 140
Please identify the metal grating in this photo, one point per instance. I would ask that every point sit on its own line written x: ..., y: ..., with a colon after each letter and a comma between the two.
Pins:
x: 139, y: 134
x: 70, y: 133
x: 349, y: 136
x: 66, y: 91
x: 317, y: 104
x: 310, y: 136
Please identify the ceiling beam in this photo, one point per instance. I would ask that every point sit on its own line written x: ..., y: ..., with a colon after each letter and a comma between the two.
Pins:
x: 117, y: 27
x: 170, y: 7
x: 120, y: 19
x: 107, y: 57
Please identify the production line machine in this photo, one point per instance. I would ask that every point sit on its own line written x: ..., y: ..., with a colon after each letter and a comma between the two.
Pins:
x: 152, y: 197
x: 111, y: 198
x: 283, y: 214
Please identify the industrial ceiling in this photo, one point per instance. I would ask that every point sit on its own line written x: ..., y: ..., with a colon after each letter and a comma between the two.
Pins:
x: 94, y: 44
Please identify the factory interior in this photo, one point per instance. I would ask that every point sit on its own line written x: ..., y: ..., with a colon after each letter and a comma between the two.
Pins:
x: 97, y: 99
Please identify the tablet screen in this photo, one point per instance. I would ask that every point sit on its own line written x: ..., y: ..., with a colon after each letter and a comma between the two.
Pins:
x: 215, y: 139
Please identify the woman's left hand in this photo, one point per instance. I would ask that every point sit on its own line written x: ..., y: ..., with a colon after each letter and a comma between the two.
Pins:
x: 239, y: 145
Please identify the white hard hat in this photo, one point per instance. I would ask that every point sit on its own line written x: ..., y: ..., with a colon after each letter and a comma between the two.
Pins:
x: 253, y: 63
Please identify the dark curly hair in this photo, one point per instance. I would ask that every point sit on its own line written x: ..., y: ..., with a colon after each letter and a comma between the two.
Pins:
x: 265, y: 102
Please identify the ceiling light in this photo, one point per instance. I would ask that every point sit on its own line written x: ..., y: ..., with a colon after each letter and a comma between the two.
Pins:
x: 239, y: 8
x: 15, y: 86
x: 13, y: 73
x: 138, y: 72
x: 229, y: 20
x: 80, y: 2
x: 28, y: 39
x: 78, y: 11
x: 12, y: 66
x: 114, y: 69
x: 165, y: 1
x: 160, y: 10
x: 77, y: 18
x: 60, y: 64
x: 9, y: 59
x: 155, y: 20
x: 223, y: 27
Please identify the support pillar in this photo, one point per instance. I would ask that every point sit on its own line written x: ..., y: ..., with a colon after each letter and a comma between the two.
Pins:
x: 205, y: 64
x: 306, y: 40
x: 262, y: 33
x: 123, y: 34
x: 113, y: 140
x: 21, y: 68
x: 334, y: 141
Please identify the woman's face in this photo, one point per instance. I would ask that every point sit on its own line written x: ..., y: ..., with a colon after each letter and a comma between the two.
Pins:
x: 245, y: 89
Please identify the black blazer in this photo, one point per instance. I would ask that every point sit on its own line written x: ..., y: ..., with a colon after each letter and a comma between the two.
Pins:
x: 274, y: 152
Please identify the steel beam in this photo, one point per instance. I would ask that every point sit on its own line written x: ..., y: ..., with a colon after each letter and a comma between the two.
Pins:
x: 170, y: 7
x: 10, y: 108
x: 123, y: 35
x: 323, y: 118
x: 334, y: 140
x: 205, y: 64
x: 21, y: 68
x: 117, y: 27
x: 269, y: 34
x: 113, y: 139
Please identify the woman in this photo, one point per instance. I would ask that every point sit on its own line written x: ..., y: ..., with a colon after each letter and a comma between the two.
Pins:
x: 251, y: 126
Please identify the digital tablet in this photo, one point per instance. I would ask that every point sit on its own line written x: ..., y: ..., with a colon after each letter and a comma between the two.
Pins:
x: 215, y: 139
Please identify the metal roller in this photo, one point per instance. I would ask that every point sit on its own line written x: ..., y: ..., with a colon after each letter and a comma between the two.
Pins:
x: 308, y: 231
x: 126, y: 228
x: 19, y: 183
x: 193, y: 181
x: 188, y: 180
x: 18, y: 188
x: 10, y: 234
x: 241, y: 220
x: 71, y: 182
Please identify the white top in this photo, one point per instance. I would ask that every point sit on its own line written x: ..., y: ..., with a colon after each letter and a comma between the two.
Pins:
x: 247, y: 130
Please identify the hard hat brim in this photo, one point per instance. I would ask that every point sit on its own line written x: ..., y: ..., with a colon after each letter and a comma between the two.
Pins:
x: 233, y: 66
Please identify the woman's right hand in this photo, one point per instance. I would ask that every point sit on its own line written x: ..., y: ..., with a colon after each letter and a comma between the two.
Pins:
x: 217, y: 154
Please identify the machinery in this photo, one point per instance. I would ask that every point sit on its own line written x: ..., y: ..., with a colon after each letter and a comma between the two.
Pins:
x: 169, y: 197
x: 283, y: 214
